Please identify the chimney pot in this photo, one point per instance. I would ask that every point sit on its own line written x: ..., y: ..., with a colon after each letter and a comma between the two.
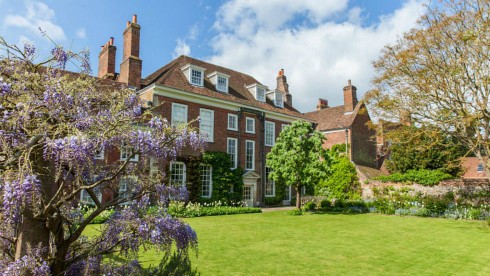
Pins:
x: 111, y: 41
x: 128, y: 23
x: 135, y: 19
x: 349, y: 83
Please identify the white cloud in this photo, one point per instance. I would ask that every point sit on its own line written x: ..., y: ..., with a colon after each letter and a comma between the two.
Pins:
x: 256, y: 37
x: 37, y: 15
x: 81, y: 33
x: 182, y: 48
x: 193, y: 32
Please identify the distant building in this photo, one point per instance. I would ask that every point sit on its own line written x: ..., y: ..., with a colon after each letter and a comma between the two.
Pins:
x: 347, y: 124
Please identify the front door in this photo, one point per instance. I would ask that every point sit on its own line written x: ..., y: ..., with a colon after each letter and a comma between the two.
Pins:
x: 250, y: 188
x: 248, y: 197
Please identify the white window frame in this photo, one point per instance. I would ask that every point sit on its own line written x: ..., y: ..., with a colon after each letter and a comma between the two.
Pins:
x: 283, y: 126
x: 126, y: 151
x: 206, y: 180
x: 178, y: 121
x: 260, y: 97
x: 85, y: 197
x: 234, y: 117
x: 210, y: 125
x: 278, y: 99
x: 252, y: 123
x: 271, y: 136
x: 219, y: 86
x: 99, y: 153
x: 191, y: 76
x: 247, y: 155
x: 234, y: 154
x: 268, y: 182
x: 124, y: 180
x: 172, y: 175
x: 479, y: 168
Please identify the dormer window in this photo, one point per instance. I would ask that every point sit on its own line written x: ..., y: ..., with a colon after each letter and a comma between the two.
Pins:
x: 277, y: 97
x: 194, y: 74
x: 219, y: 80
x: 279, y: 102
x: 258, y: 91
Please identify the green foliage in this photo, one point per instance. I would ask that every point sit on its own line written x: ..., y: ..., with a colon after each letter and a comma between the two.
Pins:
x: 325, y: 204
x: 101, y: 218
x: 309, y: 206
x: 190, y: 210
x: 227, y: 183
x: 274, y: 201
x: 172, y: 265
x: 295, y: 212
x: 297, y: 158
x: 422, y: 177
x: 428, y: 150
x: 343, y: 182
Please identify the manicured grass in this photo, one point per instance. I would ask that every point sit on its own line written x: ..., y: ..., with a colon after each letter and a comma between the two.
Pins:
x: 278, y: 244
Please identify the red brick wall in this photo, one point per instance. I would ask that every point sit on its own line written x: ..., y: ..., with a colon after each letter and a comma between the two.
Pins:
x: 363, y: 145
x: 131, y: 65
x: 470, y: 167
x: 107, y: 62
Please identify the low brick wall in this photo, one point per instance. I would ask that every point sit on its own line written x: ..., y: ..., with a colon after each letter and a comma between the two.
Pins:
x: 457, y: 186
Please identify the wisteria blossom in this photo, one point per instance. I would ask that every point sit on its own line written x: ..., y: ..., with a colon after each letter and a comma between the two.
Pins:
x: 56, y: 131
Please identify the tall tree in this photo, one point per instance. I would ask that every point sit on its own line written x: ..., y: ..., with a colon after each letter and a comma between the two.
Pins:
x: 298, y: 158
x: 55, y: 126
x: 438, y: 75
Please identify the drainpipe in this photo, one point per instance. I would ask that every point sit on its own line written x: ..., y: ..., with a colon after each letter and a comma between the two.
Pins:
x: 239, y: 138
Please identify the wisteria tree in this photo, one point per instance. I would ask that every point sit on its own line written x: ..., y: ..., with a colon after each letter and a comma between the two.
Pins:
x: 54, y: 129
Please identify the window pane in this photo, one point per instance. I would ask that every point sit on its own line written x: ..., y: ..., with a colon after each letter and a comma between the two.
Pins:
x: 249, y: 155
x: 206, y: 180
x: 222, y: 84
x: 270, y: 185
x: 231, y: 150
x: 232, y: 122
x: 196, y: 77
x: 206, y: 124
x: 269, y: 133
x: 177, y: 173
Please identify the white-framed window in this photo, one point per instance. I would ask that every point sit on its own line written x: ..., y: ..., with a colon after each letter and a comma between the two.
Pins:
x: 179, y: 114
x: 232, y: 122
x: 99, y: 153
x: 270, y: 185
x: 206, y: 180
x: 249, y: 154
x: 278, y: 101
x: 177, y: 173
x: 480, y: 167
x: 283, y: 126
x: 85, y: 197
x: 206, y: 123
x: 153, y: 166
x: 270, y: 133
x: 126, y: 184
x: 126, y: 152
x: 222, y: 84
x: 260, y: 94
x: 231, y: 149
x: 197, y: 77
x: 250, y: 125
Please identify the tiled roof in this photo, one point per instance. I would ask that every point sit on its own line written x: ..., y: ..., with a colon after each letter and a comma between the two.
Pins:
x: 333, y: 117
x: 171, y: 75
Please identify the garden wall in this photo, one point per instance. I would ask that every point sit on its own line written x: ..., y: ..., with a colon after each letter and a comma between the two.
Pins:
x: 456, y: 186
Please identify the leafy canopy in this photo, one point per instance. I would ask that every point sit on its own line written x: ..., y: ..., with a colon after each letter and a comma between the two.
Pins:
x: 298, y: 158
x: 437, y: 74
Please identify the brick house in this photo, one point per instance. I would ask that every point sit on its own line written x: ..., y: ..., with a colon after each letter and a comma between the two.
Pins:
x: 238, y: 114
x: 348, y: 123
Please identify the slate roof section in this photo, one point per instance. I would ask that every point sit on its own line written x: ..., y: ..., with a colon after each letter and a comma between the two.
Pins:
x: 171, y: 75
x: 333, y: 117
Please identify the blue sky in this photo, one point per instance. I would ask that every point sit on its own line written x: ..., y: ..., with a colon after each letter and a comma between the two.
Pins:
x: 320, y: 43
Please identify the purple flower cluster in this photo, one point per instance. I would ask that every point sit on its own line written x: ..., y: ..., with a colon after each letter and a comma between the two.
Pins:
x: 5, y: 88
x: 85, y: 60
x: 29, y: 50
x: 60, y: 56
x: 17, y: 193
x: 31, y: 264
x: 78, y: 152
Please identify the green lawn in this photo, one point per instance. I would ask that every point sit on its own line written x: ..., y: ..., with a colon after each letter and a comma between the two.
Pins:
x: 324, y: 244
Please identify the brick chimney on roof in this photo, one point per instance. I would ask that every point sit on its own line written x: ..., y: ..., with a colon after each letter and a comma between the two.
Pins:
x: 131, y: 64
x: 322, y: 103
x: 282, y: 85
x: 107, y: 60
x: 350, y: 98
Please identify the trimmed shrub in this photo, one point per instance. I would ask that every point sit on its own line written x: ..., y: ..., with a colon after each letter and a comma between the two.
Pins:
x: 422, y: 177
x: 309, y: 206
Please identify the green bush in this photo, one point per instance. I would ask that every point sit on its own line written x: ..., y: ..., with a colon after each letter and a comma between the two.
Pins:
x: 101, y: 218
x: 325, y: 204
x: 295, y: 212
x: 273, y: 201
x: 180, y: 209
x: 309, y: 206
x: 422, y: 177
x: 343, y: 182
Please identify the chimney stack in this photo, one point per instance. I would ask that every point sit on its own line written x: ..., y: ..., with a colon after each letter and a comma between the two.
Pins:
x: 131, y: 64
x: 322, y: 103
x: 282, y: 85
x: 107, y: 60
x: 350, y: 98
